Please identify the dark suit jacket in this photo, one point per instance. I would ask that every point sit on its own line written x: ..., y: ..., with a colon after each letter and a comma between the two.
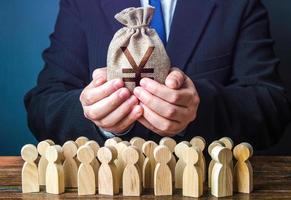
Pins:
x: 223, y: 45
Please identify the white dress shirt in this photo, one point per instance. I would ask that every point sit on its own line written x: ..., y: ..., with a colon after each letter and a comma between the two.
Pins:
x: 168, y: 7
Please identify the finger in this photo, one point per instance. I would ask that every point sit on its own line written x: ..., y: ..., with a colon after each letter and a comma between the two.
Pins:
x: 159, y: 122
x: 179, y: 97
x: 160, y: 106
x: 92, y: 95
x: 123, y: 125
x: 175, y: 79
x: 118, y: 114
x: 100, y: 72
x: 103, y: 107
x: 146, y: 124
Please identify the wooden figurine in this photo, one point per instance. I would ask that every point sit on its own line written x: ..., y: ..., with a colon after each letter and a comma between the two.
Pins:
x: 42, y: 164
x: 212, y: 162
x: 70, y: 166
x: 170, y: 143
x: 119, y: 162
x: 138, y: 142
x: 108, y: 181
x: 228, y: 143
x: 192, y: 175
x: 222, y: 178
x: 112, y: 141
x: 200, y: 143
x: 162, y: 174
x: 80, y: 141
x: 149, y: 164
x: 243, y: 171
x: 29, y: 174
x: 131, y: 174
x: 95, y: 163
x: 179, y: 168
x: 86, y: 175
x: 55, y: 183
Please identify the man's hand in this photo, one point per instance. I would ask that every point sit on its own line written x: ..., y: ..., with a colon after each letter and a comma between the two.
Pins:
x: 169, y: 108
x: 108, y: 104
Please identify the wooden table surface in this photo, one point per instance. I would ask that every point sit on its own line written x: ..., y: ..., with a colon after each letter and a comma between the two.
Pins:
x: 272, y: 180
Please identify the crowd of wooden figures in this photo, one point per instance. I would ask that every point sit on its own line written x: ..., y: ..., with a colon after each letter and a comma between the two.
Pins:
x: 134, y: 166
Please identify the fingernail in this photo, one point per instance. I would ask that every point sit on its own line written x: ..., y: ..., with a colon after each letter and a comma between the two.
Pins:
x: 137, y: 91
x: 132, y: 100
x: 123, y: 94
x: 172, y: 83
x: 143, y: 82
x: 138, y: 110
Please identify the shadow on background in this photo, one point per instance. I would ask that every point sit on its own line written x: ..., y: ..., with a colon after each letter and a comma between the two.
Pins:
x: 24, y: 30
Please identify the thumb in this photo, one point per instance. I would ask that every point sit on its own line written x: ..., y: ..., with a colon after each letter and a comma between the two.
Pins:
x: 99, y: 73
x: 175, y: 79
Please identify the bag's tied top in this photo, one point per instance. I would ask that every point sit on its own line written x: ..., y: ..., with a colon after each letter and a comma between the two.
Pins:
x: 136, y: 17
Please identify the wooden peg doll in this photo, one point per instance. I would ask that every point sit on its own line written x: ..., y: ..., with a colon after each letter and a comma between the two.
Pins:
x: 243, y: 171
x: 131, y: 174
x: 149, y: 164
x: 86, y: 174
x: 222, y: 177
x: 42, y: 164
x: 108, y: 180
x: 70, y: 166
x: 55, y: 183
x: 162, y: 174
x: 29, y: 174
x: 192, y: 175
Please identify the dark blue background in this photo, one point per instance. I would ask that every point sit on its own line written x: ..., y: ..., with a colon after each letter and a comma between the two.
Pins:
x: 24, y: 30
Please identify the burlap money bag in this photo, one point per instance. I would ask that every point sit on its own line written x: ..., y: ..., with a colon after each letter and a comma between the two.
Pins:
x: 136, y: 50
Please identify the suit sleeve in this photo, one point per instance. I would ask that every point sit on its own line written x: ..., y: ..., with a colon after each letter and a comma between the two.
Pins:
x: 254, y: 107
x: 53, y: 107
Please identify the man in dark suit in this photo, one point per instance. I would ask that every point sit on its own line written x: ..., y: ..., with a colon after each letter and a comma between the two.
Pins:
x: 225, y: 83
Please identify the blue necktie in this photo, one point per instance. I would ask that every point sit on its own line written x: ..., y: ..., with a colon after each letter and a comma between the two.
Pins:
x: 158, y: 20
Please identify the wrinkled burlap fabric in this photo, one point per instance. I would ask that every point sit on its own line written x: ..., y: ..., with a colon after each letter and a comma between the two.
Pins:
x: 136, y: 50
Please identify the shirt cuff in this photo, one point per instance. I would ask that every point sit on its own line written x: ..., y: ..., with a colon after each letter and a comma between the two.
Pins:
x: 108, y: 134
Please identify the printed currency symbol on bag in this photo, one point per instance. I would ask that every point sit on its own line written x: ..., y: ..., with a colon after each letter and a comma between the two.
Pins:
x: 136, y: 51
x: 137, y: 69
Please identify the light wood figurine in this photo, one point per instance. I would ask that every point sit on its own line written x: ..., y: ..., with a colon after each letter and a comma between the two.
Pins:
x: 80, y: 141
x: 222, y: 178
x: 108, y: 181
x: 228, y: 143
x: 179, y: 168
x: 171, y: 144
x: 55, y: 183
x: 119, y: 162
x: 95, y: 163
x: 149, y: 164
x: 212, y: 162
x: 70, y: 166
x: 243, y: 171
x: 200, y: 143
x: 131, y: 174
x: 42, y: 164
x: 138, y: 142
x: 86, y: 175
x: 112, y: 141
x: 192, y: 175
x: 162, y: 174
x: 29, y: 174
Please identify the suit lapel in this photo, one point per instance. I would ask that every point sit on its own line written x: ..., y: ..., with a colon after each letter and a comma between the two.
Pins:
x: 189, y: 21
x: 112, y: 7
